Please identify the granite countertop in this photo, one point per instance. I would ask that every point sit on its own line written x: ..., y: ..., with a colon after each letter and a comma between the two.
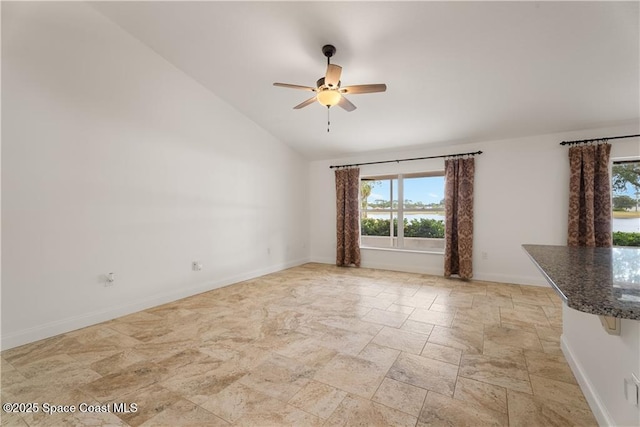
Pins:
x: 601, y: 281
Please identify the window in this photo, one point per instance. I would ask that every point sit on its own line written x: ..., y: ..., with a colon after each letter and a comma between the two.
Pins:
x: 626, y: 197
x: 421, y: 211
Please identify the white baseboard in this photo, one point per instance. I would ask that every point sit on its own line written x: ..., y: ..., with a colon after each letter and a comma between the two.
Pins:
x: 383, y: 266
x: 597, y: 407
x: 490, y: 277
x: 508, y: 278
x: 404, y: 268
x: 82, y: 321
x: 322, y: 260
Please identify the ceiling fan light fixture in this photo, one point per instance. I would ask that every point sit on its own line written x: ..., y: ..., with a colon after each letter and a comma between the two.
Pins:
x: 328, y: 90
x: 329, y: 97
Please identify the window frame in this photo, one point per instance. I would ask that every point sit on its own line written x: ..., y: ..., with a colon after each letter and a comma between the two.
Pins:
x: 614, y: 162
x: 399, y: 210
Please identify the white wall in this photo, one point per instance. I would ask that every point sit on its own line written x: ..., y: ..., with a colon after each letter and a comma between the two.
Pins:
x: 115, y: 161
x: 601, y: 362
x: 521, y: 196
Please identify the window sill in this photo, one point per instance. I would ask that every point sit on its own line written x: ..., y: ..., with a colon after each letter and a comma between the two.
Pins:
x: 413, y: 251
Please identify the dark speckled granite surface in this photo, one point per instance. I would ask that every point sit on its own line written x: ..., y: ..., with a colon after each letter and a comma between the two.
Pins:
x: 601, y: 281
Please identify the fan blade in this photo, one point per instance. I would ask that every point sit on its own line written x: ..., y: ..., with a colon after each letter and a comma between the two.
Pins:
x: 364, y: 89
x: 311, y: 89
x: 305, y: 103
x: 346, y: 104
x: 332, y: 77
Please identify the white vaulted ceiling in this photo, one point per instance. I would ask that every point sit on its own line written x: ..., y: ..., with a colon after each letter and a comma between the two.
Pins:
x: 456, y: 71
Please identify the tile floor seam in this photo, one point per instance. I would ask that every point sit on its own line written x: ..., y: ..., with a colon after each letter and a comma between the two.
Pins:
x: 425, y: 343
x: 409, y: 384
x: 386, y: 373
x: 325, y: 420
x: 391, y: 407
x: 424, y: 401
x: 336, y: 387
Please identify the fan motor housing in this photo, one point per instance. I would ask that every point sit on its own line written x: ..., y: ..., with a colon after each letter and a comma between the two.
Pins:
x: 320, y: 84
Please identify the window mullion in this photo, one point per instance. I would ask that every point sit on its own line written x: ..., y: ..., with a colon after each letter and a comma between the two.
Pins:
x: 391, y: 213
x: 400, y: 212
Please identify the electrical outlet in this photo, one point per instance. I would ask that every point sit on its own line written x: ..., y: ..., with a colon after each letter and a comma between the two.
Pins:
x: 196, y: 266
x: 110, y: 279
x: 632, y: 390
x: 485, y: 255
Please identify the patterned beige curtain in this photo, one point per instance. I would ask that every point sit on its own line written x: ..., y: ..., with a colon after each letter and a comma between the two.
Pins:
x: 348, y: 217
x: 590, y: 196
x: 458, y: 202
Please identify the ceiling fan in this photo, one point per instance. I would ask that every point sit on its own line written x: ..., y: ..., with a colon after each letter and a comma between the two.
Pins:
x: 328, y: 90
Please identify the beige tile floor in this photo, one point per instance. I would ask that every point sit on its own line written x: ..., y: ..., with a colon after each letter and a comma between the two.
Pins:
x: 314, y: 345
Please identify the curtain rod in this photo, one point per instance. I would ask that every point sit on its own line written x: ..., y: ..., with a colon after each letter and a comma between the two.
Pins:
x: 581, y: 141
x: 406, y: 160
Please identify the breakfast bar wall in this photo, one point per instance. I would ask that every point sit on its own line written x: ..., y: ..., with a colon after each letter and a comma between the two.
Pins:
x: 600, y: 363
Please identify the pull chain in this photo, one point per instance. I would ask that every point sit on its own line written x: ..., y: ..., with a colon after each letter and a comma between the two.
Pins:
x: 328, y: 117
